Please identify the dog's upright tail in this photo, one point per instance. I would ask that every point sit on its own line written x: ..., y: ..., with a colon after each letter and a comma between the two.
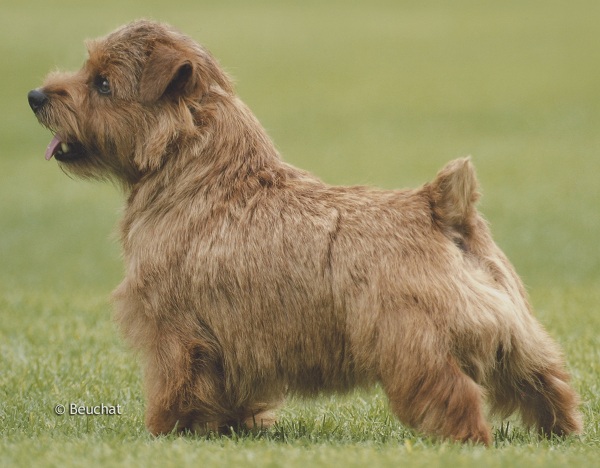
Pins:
x: 453, y: 195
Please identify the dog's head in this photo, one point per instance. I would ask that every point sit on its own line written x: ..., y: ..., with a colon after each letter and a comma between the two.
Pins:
x: 144, y: 88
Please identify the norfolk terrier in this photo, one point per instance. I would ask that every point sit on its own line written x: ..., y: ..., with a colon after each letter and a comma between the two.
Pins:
x: 247, y: 278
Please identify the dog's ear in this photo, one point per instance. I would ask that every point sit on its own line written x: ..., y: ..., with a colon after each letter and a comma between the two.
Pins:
x: 171, y: 72
x: 167, y: 72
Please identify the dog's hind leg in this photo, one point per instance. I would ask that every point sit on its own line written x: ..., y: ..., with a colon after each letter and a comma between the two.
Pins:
x: 531, y: 377
x: 434, y: 396
x: 550, y: 403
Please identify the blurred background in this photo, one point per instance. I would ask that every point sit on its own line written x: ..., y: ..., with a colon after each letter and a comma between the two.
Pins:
x: 379, y: 92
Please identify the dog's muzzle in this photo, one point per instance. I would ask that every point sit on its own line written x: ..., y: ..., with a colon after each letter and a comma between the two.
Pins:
x: 60, y: 147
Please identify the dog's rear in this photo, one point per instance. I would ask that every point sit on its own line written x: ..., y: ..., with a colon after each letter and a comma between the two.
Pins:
x: 522, y: 369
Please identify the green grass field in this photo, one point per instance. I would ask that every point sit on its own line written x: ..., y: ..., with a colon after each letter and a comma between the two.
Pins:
x: 382, y: 93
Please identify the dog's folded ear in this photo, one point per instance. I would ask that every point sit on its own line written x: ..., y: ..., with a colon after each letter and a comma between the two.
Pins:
x: 168, y: 72
x: 174, y: 73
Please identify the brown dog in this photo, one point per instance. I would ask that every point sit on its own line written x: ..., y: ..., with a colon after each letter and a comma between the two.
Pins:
x: 248, y: 278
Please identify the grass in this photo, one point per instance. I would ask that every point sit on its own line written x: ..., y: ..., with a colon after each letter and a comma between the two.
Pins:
x: 383, y: 93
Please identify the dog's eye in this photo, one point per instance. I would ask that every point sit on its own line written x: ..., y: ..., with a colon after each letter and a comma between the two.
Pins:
x: 102, y: 85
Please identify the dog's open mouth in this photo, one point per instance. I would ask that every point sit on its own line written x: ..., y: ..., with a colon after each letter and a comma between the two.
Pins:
x: 63, y: 150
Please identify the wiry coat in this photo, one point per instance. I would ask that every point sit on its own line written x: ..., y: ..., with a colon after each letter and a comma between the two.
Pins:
x: 247, y: 278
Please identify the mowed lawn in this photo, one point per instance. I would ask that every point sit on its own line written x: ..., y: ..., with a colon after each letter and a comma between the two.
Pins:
x: 380, y: 93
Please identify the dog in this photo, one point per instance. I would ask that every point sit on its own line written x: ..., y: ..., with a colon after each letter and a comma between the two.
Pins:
x: 247, y: 278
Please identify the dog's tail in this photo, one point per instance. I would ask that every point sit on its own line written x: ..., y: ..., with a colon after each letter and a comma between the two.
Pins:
x: 453, y: 195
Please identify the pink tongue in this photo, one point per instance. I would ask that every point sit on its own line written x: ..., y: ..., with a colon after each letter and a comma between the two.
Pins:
x: 52, y: 147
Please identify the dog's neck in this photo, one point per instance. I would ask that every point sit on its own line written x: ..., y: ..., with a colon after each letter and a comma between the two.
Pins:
x: 230, y: 152
x: 236, y: 143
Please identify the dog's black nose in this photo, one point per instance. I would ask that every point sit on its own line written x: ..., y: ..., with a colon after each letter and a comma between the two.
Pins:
x: 37, y: 99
